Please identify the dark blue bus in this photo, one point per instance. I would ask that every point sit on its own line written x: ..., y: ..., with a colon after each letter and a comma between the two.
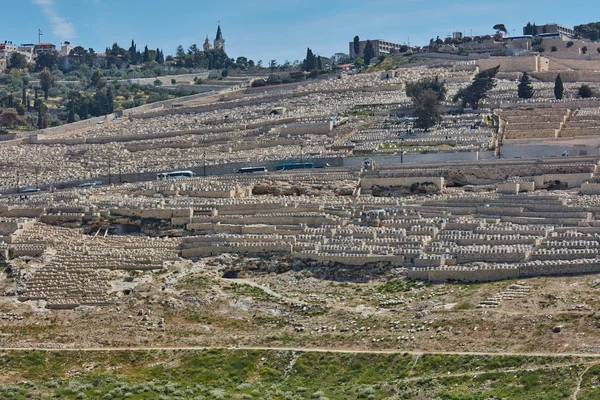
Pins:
x: 291, y: 166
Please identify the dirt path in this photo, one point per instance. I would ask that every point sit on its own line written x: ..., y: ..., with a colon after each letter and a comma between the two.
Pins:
x: 578, y: 389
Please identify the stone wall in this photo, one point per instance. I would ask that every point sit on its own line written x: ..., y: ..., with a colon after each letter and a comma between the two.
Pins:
x: 367, y: 183
x: 515, y: 64
x: 464, y: 274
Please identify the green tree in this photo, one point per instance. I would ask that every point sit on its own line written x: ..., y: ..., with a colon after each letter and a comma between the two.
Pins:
x: 133, y: 53
x: 71, y: 116
x: 25, y: 85
x: 100, y: 103
x: 553, y: 49
x: 528, y: 30
x: 79, y: 54
x: 369, y: 52
x: 42, y: 122
x: 9, y: 118
x: 598, y: 49
x: 570, y: 44
x: 17, y: 61
x: 525, y: 88
x: 584, y: 49
x: 160, y: 57
x: 97, y: 79
x: 90, y: 57
x: 415, y: 89
x: 110, y: 100
x: 146, y: 57
x: 310, y: 62
x: 558, y: 88
x: 273, y: 65
x: 46, y: 82
x: 46, y: 60
x: 356, y: 45
x: 585, y: 92
x: 477, y: 90
x: 500, y: 28
x: 426, y: 108
x: 427, y: 96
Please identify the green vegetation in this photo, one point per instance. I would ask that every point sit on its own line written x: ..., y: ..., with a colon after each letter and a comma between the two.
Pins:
x: 369, y: 52
x: 76, y: 97
x: 477, y: 90
x: 397, y: 285
x: 589, y: 31
x: 525, y: 88
x: 252, y: 291
x: 559, y: 88
x: 219, y: 374
x: 585, y: 91
x: 427, y: 96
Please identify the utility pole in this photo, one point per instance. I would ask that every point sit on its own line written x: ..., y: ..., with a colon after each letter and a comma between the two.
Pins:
x: 109, y: 172
x: 401, y: 151
x: 301, y: 153
x: 204, y: 162
x: 120, y: 174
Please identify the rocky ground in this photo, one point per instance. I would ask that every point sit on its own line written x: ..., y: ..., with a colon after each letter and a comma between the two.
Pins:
x: 278, y: 303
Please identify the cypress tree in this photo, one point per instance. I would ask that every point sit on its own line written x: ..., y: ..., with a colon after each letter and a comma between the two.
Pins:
x: 525, y: 89
x: 356, y: 45
x: 558, y: 88
x: 369, y: 52
x: 71, y: 117
x: 146, y: 55
x: 111, y: 100
x: 40, y: 114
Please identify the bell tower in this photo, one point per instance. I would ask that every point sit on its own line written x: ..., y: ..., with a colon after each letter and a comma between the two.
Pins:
x: 219, y: 41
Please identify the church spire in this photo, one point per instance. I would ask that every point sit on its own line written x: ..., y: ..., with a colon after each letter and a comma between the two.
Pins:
x: 219, y: 33
x: 219, y: 41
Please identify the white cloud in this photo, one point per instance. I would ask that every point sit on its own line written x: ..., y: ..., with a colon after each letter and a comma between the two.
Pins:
x: 61, y: 27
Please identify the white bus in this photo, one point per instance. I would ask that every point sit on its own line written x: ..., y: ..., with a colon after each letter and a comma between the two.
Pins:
x: 175, y: 175
x: 252, y: 170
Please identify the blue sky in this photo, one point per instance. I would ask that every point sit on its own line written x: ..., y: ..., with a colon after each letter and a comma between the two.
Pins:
x: 269, y: 29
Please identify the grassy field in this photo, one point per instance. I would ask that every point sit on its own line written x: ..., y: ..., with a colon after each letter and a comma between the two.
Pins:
x: 244, y: 374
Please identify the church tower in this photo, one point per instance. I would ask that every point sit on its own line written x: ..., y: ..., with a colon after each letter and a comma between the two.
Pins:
x: 207, y: 45
x: 219, y: 41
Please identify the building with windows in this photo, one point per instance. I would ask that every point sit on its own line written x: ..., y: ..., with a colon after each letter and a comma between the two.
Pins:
x: 6, y: 51
x: 380, y: 47
x: 65, y: 49
x: 43, y: 48
x: 548, y: 28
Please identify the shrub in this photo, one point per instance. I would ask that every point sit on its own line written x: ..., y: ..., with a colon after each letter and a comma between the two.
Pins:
x: 157, y: 82
x: 554, y: 48
x: 585, y: 92
x: 584, y: 49
x: 173, y: 81
x: 570, y: 43
x: 218, y: 394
